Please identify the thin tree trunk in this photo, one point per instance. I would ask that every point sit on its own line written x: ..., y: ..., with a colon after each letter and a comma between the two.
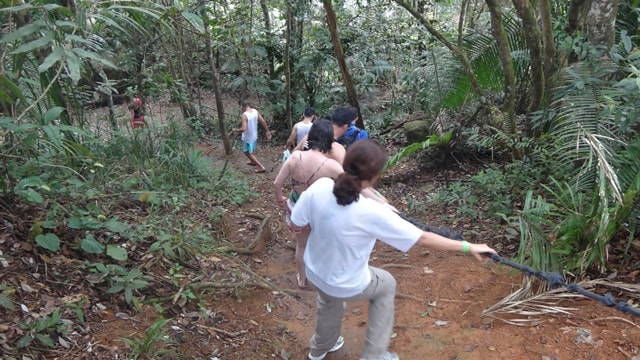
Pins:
x: 509, y: 123
x: 532, y: 35
x: 287, y: 67
x: 267, y: 27
x: 216, y: 91
x: 337, y: 46
x: 188, y: 110
x: 548, y: 42
x: 466, y: 64
x: 463, y: 13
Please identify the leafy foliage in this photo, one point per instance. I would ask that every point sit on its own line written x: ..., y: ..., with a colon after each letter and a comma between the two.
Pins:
x: 153, y: 344
x: 595, y: 179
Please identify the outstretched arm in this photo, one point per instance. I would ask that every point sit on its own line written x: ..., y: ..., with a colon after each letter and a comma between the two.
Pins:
x: 437, y: 242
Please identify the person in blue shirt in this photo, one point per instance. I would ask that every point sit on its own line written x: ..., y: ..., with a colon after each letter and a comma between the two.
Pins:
x: 345, y: 117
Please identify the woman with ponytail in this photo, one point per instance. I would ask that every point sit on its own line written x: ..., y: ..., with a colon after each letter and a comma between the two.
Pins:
x: 344, y: 229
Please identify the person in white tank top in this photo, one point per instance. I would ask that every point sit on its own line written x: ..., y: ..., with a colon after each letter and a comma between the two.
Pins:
x: 249, y: 129
x: 301, y: 128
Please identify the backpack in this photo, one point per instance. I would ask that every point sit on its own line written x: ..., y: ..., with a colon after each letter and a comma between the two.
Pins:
x: 351, y: 136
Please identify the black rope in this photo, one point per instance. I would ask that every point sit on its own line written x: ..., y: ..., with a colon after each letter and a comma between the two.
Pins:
x: 554, y: 279
x: 442, y: 232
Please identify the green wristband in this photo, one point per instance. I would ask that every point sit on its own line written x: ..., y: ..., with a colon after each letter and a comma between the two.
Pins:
x: 465, y: 247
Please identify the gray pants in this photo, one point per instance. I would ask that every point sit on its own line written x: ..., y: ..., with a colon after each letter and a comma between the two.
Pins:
x: 380, y: 293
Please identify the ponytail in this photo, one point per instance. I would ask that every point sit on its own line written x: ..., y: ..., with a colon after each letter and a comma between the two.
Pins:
x: 364, y: 161
x: 347, y: 189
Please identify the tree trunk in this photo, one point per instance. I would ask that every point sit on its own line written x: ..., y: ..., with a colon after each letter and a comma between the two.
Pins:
x: 267, y: 27
x: 533, y: 37
x: 575, y: 15
x: 216, y: 90
x: 600, y: 22
x: 466, y: 64
x: 337, y: 46
x: 287, y: 67
x: 509, y: 123
x: 546, y: 27
x: 463, y: 13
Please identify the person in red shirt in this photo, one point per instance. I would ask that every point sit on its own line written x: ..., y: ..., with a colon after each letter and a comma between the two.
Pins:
x: 138, y: 114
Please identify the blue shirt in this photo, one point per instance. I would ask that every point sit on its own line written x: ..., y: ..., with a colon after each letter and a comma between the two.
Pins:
x: 352, y: 135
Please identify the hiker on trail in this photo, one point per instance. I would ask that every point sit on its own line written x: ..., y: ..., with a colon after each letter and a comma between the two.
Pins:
x: 305, y: 167
x: 301, y: 128
x: 348, y: 133
x: 137, y: 113
x: 344, y: 131
x: 249, y: 129
x: 343, y: 230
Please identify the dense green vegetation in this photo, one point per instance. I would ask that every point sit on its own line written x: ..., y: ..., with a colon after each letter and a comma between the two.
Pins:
x: 553, y: 102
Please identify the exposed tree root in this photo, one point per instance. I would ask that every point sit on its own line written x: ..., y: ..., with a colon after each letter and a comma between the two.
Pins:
x: 223, y: 332
x: 257, y: 245
x: 402, y: 266
x: 407, y: 296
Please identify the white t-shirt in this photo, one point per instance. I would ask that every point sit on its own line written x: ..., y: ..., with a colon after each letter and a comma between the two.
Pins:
x: 302, y: 131
x: 342, y: 237
x: 250, y: 135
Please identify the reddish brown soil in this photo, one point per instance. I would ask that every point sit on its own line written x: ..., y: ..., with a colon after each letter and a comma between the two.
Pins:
x: 438, y: 312
x: 433, y: 288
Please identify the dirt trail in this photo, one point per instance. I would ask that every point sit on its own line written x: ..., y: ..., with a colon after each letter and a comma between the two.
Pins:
x: 438, y: 315
x: 440, y: 301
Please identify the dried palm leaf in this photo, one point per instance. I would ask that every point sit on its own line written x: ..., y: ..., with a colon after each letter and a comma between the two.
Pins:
x: 528, y: 307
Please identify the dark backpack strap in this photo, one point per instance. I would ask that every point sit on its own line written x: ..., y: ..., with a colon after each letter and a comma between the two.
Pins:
x: 347, y: 140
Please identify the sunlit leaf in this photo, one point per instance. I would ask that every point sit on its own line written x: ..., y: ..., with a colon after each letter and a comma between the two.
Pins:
x: 194, y: 20
x: 22, y: 32
x: 49, y: 241
x: 75, y: 223
x: 91, y: 245
x: 31, y: 195
x: 116, y: 226
x: 93, y: 56
x: 53, y: 134
x: 24, y: 341
x: 53, y: 114
x: 6, y: 303
x: 50, y: 7
x: 43, y: 41
x: 115, y: 289
x: 51, y: 59
x: 116, y: 252
x: 45, y: 339
x: 74, y: 65
x: 63, y: 23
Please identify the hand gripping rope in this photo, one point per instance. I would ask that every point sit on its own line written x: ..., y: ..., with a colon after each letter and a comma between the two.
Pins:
x: 554, y: 279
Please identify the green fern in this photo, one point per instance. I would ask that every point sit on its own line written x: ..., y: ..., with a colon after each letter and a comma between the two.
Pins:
x: 593, y: 156
x: 433, y: 140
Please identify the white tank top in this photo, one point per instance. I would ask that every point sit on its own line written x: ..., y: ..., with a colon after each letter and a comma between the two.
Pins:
x: 302, y: 131
x: 250, y: 135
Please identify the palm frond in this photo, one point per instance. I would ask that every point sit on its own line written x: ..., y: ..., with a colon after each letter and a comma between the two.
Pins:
x: 433, y: 140
x: 526, y: 307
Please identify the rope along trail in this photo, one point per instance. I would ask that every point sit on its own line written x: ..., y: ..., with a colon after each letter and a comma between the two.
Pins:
x: 554, y: 279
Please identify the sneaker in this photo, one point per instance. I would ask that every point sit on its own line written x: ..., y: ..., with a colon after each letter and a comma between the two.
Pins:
x: 335, y: 347
x: 388, y: 356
